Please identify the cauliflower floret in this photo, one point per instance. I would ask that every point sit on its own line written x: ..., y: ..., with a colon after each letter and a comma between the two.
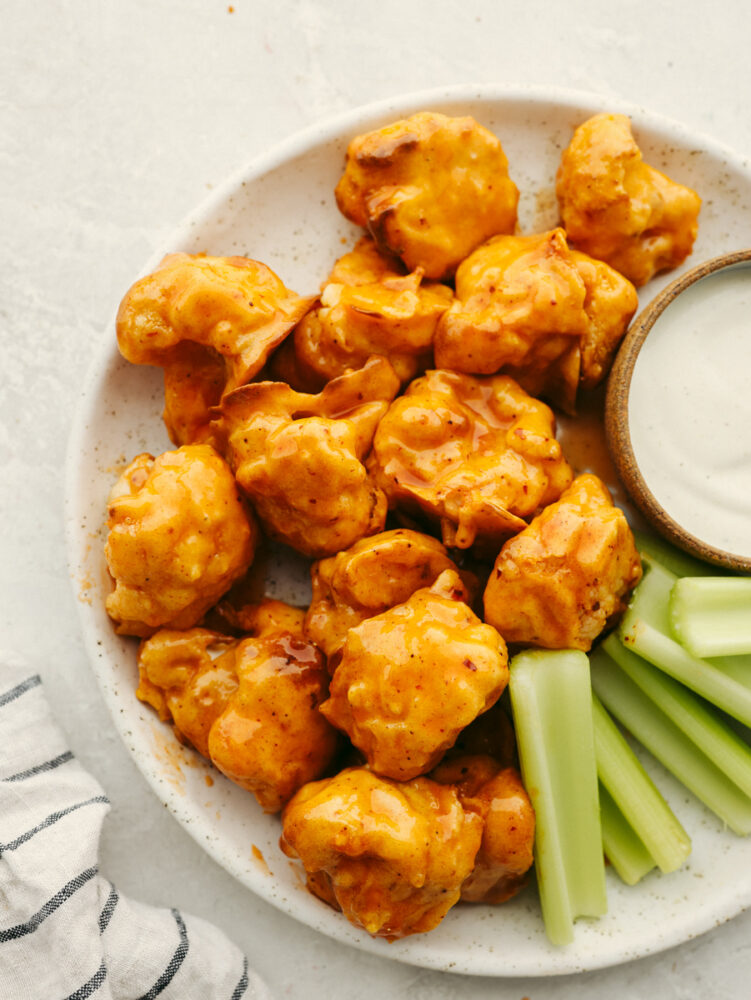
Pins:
x: 298, y: 457
x: 429, y: 188
x: 410, y: 679
x: 179, y: 535
x: 395, y: 317
x: 392, y: 856
x: 560, y: 582
x: 249, y: 705
x: 616, y: 207
x: 530, y: 307
x: 508, y: 835
x: 478, y: 455
x: 371, y: 576
x: 232, y: 311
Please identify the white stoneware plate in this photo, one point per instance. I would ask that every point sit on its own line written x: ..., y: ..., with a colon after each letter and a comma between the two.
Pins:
x: 280, y: 209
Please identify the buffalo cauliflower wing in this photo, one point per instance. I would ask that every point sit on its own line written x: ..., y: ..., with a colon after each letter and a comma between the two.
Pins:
x: 564, y: 579
x: 498, y: 795
x: 477, y: 455
x: 429, y: 189
x: 298, y: 456
x: 392, y: 856
x: 616, y: 207
x: 250, y: 705
x: 370, y: 577
x: 409, y: 680
x: 365, y: 310
x: 532, y: 308
x: 178, y: 536
x: 232, y: 310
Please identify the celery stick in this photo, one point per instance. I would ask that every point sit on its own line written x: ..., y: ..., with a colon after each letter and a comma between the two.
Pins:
x: 651, y: 599
x: 717, y: 686
x: 646, y: 630
x: 737, y: 667
x: 711, y: 615
x: 675, y: 560
x: 623, y: 849
x: 665, y: 741
x: 636, y: 795
x: 551, y: 700
x: 705, y: 728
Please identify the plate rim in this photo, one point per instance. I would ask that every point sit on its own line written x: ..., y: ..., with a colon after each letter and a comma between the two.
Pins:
x: 353, y: 120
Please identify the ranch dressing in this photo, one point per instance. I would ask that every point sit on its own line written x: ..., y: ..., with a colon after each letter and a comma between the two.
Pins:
x: 690, y: 409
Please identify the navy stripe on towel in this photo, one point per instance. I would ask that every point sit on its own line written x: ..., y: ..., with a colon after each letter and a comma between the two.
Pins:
x: 108, y: 909
x: 19, y: 689
x: 50, y: 821
x: 243, y: 984
x: 48, y: 765
x: 57, y: 900
x: 175, y: 962
x: 92, y: 986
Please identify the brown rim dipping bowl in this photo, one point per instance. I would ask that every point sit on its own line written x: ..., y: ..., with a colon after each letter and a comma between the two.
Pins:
x: 617, y: 429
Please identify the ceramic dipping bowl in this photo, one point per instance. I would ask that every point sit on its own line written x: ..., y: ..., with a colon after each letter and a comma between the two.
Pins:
x: 678, y: 411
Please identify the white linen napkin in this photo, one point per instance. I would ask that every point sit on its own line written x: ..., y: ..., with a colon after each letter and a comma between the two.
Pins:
x: 65, y: 931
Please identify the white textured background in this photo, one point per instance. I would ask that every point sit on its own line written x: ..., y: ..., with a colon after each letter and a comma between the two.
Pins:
x: 115, y: 120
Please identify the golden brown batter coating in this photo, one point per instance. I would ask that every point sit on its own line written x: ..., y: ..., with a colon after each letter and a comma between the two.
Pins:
x: 299, y: 456
x: 395, y: 317
x: 365, y: 264
x: 179, y: 536
x: 619, y: 209
x: 194, y: 380
x: 429, y: 188
x: 391, y: 855
x: 530, y: 307
x: 410, y: 679
x: 478, y: 455
x: 370, y: 577
x: 498, y: 795
x: 564, y: 579
x: 250, y: 705
x: 233, y: 309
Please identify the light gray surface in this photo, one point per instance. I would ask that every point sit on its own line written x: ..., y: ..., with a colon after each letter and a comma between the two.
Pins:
x: 115, y: 120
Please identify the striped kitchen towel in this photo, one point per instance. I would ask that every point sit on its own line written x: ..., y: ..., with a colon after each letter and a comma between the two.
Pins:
x: 65, y: 931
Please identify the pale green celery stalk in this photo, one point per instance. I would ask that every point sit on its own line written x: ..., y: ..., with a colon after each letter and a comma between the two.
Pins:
x: 737, y: 667
x: 646, y: 630
x: 704, y: 727
x: 675, y: 560
x: 625, y: 852
x: 636, y: 795
x: 551, y: 700
x: 711, y: 615
x: 664, y: 740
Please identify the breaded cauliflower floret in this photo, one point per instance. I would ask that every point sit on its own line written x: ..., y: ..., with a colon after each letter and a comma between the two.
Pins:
x: 477, y: 455
x: 616, y: 207
x: 299, y: 456
x: 508, y: 835
x: 429, y: 188
x: 410, y: 679
x: 249, y: 705
x: 530, y: 307
x: 392, y: 856
x: 179, y: 535
x: 370, y: 577
x: 232, y: 311
x: 564, y: 579
x: 365, y: 264
x: 362, y: 312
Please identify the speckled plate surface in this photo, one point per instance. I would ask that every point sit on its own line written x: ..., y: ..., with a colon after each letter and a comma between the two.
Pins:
x: 280, y: 209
